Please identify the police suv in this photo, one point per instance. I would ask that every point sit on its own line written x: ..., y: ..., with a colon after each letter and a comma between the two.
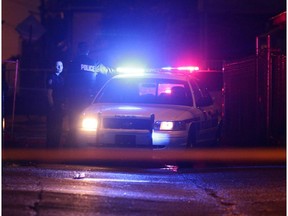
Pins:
x: 159, y: 109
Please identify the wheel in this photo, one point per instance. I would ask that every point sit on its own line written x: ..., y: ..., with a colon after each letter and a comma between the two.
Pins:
x: 219, y: 135
x: 191, y: 141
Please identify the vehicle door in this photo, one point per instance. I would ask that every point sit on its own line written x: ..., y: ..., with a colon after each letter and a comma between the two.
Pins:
x: 203, y: 102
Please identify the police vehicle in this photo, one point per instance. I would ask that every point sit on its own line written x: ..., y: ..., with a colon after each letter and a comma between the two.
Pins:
x: 154, y: 109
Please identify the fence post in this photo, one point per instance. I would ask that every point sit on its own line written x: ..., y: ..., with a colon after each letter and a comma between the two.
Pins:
x: 268, y: 91
x: 14, y: 96
x: 15, y: 91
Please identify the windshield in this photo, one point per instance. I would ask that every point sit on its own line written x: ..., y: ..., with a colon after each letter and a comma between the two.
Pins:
x: 148, y: 91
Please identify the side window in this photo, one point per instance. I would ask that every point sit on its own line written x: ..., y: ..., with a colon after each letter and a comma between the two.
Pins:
x: 177, y: 93
x: 196, y: 92
x: 201, y: 94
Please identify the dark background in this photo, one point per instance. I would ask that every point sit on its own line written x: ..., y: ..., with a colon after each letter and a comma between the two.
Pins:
x: 151, y: 32
x: 157, y: 33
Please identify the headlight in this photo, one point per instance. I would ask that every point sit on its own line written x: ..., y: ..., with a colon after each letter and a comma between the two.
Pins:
x: 170, y: 125
x: 166, y: 126
x: 89, y: 124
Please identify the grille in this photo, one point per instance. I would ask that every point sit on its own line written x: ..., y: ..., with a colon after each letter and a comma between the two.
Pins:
x: 127, y: 123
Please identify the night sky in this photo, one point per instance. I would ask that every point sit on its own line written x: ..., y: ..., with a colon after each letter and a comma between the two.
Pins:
x: 185, y: 31
x: 156, y: 32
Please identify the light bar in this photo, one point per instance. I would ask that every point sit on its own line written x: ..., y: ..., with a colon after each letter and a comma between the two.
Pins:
x: 183, y: 68
x: 130, y: 70
x: 167, y: 68
x: 190, y: 68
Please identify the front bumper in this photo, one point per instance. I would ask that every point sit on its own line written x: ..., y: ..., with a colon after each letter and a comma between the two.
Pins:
x: 133, y: 138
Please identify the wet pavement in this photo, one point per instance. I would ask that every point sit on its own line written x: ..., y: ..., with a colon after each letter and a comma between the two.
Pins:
x: 64, y: 189
x: 59, y: 189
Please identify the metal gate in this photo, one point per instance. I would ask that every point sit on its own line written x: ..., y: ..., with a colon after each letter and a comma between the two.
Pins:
x: 255, y: 98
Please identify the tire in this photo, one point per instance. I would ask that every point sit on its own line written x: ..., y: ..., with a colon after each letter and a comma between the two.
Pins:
x: 218, y: 138
x: 191, y: 141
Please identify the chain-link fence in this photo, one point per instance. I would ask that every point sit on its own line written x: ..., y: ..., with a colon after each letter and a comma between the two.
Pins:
x: 25, y: 91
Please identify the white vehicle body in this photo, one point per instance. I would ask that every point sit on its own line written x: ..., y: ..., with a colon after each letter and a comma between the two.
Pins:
x: 146, y: 111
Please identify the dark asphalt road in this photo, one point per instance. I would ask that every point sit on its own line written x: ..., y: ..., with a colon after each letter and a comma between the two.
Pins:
x: 48, y: 189
x: 51, y: 189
